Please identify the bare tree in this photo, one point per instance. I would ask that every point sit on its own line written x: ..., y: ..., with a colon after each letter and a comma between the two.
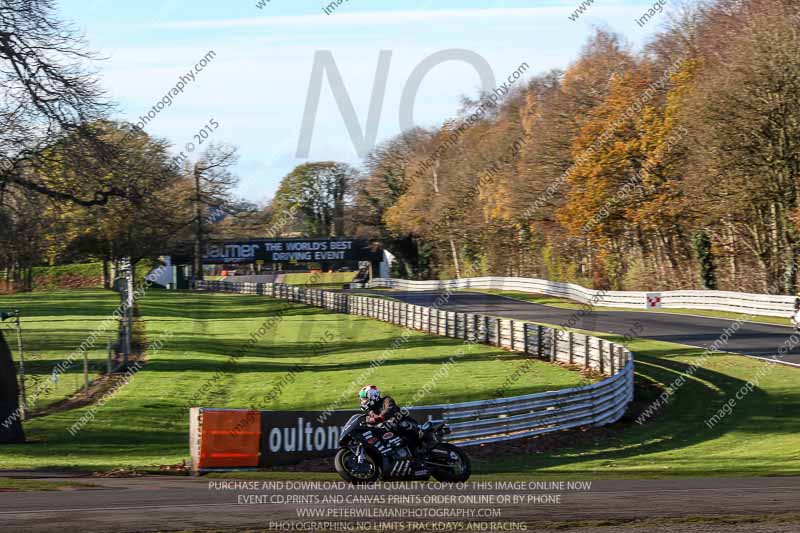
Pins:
x: 48, y: 95
x: 213, y: 188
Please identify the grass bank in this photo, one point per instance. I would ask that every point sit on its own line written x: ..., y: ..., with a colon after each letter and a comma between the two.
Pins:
x: 145, y: 424
x: 322, y: 280
x: 54, y: 324
x: 760, y: 436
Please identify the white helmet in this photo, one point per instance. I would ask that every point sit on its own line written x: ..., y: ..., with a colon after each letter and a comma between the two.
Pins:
x: 369, y: 396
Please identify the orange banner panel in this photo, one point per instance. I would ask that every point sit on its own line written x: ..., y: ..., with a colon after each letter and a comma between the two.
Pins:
x: 229, y: 439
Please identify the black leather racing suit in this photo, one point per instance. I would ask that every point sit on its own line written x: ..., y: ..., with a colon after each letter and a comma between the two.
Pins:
x: 395, y: 419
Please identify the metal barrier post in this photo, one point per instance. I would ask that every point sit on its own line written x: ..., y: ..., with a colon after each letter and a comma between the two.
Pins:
x: 611, y: 353
x: 525, y: 338
x: 586, y: 352
x: 539, y: 347
x: 570, y: 347
x: 600, y: 351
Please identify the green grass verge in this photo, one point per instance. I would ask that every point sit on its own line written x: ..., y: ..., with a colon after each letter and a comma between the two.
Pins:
x: 24, y: 485
x: 322, y: 280
x: 54, y: 324
x: 565, y: 303
x: 146, y: 423
x: 79, y: 275
x: 761, y: 436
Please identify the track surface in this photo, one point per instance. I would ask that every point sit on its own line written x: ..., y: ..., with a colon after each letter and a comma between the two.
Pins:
x: 179, y: 503
x: 761, y: 340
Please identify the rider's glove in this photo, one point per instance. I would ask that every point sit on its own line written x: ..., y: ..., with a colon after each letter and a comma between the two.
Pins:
x: 374, y: 419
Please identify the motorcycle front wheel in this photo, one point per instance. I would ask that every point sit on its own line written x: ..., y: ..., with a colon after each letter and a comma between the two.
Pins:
x: 459, y: 467
x: 348, y: 468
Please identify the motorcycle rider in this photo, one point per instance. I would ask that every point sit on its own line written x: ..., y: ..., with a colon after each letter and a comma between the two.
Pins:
x: 383, y: 409
x: 796, y: 316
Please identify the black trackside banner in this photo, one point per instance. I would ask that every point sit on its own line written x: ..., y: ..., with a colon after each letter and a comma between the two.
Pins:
x: 288, y: 437
x: 290, y: 251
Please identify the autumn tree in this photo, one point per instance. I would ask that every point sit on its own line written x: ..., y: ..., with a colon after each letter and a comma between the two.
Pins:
x: 557, y: 109
x: 745, y: 123
x: 385, y: 179
x: 321, y: 192
x: 27, y: 228
x: 675, y: 166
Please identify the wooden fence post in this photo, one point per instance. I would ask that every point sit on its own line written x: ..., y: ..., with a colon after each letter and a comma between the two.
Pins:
x: 570, y: 347
x: 611, y: 354
x: 587, y: 357
x: 539, y: 343
x: 600, y: 351
x: 525, y: 337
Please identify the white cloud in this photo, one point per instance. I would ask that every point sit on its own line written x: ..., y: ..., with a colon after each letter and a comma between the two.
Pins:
x: 373, y: 17
x: 256, y: 86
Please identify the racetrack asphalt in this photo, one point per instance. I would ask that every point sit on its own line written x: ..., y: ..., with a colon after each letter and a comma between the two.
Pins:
x: 170, y: 503
x: 750, y: 338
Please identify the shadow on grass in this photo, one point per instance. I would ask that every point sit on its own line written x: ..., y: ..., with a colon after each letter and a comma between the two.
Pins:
x: 678, y: 425
x: 308, y: 347
x: 270, y: 366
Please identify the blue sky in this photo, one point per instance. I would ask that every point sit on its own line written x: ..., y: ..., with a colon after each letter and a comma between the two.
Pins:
x: 256, y: 86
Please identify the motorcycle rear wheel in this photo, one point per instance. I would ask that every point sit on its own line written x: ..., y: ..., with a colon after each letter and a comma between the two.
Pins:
x: 344, y: 461
x: 460, y: 473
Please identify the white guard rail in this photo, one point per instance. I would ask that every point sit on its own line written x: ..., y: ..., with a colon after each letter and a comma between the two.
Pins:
x: 497, y: 419
x: 737, y: 302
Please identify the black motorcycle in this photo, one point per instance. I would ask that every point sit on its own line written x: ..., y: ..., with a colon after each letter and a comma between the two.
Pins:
x: 368, y: 453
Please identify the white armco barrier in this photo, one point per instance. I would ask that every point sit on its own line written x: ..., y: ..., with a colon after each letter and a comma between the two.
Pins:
x: 500, y: 418
x: 737, y: 302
